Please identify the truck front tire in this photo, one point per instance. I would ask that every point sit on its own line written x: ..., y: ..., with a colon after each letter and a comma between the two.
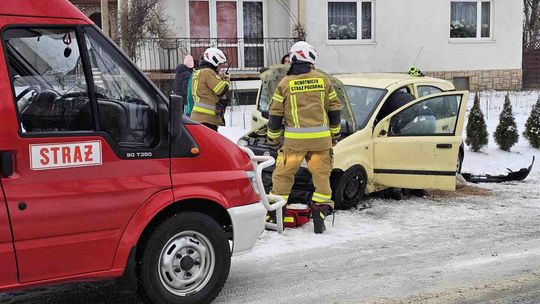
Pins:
x: 186, y: 260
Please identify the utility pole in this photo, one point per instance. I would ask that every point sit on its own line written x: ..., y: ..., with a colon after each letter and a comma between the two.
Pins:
x: 105, y: 17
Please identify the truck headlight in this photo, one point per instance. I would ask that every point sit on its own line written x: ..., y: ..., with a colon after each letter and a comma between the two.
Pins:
x: 253, y: 179
x: 242, y: 142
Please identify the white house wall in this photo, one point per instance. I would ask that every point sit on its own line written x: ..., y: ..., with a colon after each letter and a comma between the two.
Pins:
x: 403, y: 27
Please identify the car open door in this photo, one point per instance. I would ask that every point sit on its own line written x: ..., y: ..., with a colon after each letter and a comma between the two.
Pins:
x: 417, y: 146
x: 269, y: 81
x: 8, y: 275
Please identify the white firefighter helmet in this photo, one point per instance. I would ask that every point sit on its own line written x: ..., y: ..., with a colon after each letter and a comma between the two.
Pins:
x: 304, y: 52
x: 215, y: 56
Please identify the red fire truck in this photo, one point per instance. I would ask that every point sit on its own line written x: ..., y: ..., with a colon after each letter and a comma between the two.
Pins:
x: 101, y: 175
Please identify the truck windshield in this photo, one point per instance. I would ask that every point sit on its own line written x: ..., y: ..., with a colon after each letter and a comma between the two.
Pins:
x: 364, y: 101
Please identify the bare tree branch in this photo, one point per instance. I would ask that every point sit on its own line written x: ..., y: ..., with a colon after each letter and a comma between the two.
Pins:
x: 142, y: 19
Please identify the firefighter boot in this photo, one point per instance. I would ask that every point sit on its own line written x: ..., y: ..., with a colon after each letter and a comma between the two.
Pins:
x: 318, y: 213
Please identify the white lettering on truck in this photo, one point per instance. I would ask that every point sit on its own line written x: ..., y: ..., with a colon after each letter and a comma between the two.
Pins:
x: 65, y: 155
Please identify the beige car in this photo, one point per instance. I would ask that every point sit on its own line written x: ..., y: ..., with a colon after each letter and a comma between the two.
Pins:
x: 414, y: 142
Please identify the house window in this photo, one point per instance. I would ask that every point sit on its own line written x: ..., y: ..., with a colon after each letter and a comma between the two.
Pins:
x: 236, y: 27
x: 470, y: 19
x: 350, y: 20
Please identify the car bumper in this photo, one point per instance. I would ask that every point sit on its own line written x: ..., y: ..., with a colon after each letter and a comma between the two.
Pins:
x: 248, y: 223
x: 303, y: 185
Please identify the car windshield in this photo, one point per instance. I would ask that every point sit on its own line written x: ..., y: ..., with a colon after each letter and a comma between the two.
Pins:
x: 363, y: 102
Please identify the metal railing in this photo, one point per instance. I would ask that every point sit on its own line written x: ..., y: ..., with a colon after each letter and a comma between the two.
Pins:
x: 244, y: 55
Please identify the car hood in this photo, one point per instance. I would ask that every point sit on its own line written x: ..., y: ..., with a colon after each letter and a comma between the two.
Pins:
x: 271, y: 78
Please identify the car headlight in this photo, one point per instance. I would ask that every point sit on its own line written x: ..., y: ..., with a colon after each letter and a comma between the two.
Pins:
x: 253, y: 179
x: 242, y: 142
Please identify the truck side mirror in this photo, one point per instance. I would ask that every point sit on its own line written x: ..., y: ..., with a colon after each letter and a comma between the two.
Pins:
x: 176, y: 110
x: 265, y: 114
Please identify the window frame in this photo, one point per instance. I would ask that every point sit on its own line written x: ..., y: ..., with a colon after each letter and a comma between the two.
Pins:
x: 418, y: 86
x: 358, y: 39
x: 162, y: 147
x: 478, y: 37
x: 240, y: 43
x: 134, y: 72
x: 424, y: 99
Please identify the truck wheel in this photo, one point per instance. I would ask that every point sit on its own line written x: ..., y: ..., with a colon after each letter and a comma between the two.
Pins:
x: 186, y: 260
x: 350, y: 188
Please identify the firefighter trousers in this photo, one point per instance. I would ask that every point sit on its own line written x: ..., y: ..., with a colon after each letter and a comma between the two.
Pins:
x: 319, y: 163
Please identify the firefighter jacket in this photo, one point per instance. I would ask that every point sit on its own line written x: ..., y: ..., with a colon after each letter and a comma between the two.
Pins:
x: 207, y: 87
x: 308, y: 106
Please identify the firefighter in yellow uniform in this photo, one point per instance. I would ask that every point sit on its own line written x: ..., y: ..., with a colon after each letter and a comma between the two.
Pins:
x: 209, y: 89
x: 306, y: 103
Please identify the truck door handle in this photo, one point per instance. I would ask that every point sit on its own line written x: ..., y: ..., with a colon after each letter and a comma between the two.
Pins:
x: 6, y: 163
x: 444, y: 146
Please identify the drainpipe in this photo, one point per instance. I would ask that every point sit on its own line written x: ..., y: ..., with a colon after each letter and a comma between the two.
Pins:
x: 105, y: 17
x: 301, y: 11
x: 122, y: 19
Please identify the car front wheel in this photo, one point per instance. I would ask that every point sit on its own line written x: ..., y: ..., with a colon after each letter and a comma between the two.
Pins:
x: 350, y: 188
x: 186, y: 260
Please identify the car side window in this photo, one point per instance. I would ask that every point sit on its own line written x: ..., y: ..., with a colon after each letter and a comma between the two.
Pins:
x: 403, y: 90
x: 50, y: 88
x: 427, y: 90
x: 433, y: 116
x: 127, y: 109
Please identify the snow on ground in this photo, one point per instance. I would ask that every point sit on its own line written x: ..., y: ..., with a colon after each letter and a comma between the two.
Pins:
x: 494, y: 222
x: 492, y: 160
x: 347, y: 227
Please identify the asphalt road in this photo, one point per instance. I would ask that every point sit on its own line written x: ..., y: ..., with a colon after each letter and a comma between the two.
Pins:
x: 471, y: 249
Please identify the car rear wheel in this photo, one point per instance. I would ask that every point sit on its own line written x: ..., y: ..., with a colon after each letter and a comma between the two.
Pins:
x: 186, y: 260
x: 350, y: 188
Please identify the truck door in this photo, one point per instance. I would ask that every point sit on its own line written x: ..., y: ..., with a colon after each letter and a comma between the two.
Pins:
x: 8, y: 275
x: 417, y: 146
x: 90, y: 141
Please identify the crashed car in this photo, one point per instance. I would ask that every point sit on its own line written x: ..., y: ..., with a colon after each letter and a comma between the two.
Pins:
x: 415, y: 146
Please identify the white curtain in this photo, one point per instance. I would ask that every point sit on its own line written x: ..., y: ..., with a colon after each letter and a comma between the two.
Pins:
x: 464, y: 19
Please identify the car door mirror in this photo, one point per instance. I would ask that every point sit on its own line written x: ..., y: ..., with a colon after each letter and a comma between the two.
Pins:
x: 265, y: 114
x: 176, y: 106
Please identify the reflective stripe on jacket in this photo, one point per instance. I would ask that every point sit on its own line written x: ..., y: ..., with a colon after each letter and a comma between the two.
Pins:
x: 206, y: 87
x: 308, y: 106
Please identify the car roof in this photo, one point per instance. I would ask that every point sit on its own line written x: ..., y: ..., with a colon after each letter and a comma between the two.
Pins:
x: 41, y: 8
x: 387, y: 80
